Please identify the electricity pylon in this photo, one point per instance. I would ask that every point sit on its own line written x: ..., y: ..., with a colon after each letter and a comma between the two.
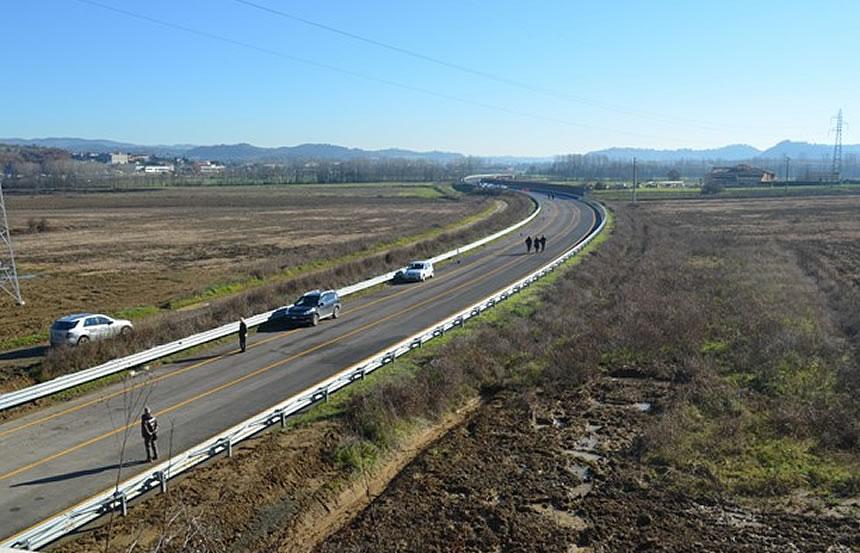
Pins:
x: 8, y: 271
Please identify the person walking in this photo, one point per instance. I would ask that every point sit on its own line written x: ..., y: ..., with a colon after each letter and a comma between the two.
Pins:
x: 537, y: 244
x: 149, y: 431
x: 243, y: 334
x: 528, y: 244
x: 542, y: 243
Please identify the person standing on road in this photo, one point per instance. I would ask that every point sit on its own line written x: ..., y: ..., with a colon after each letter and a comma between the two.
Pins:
x: 243, y: 334
x: 528, y: 244
x: 542, y: 243
x: 537, y: 244
x: 149, y: 431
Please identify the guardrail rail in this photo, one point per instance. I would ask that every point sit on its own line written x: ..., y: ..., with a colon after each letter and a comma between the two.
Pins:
x: 31, y: 393
x: 117, y: 498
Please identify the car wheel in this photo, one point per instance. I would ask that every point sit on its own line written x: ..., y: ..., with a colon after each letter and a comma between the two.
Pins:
x: 336, y: 313
x: 83, y: 340
x: 126, y: 330
x: 315, y: 320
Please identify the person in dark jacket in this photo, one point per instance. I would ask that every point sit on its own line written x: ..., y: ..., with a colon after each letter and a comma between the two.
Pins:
x: 243, y: 334
x: 149, y: 431
x: 537, y: 244
x: 528, y: 244
x: 542, y: 243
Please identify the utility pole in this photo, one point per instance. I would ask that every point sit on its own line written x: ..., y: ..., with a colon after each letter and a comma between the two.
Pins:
x: 836, y: 167
x: 634, y: 180
x: 8, y: 272
x: 787, y: 160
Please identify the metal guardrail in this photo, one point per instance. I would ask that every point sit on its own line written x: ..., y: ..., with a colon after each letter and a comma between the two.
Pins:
x: 31, y: 393
x: 117, y: 498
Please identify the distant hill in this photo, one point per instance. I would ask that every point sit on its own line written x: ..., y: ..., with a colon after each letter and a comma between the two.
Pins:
x: 805, y: 150
x: 735, y: 152
x: 248, y: 153
x: 99, y: 146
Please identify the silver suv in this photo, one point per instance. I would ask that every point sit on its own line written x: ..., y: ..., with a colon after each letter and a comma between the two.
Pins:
x: 83, y: 327
x: 313, y: 307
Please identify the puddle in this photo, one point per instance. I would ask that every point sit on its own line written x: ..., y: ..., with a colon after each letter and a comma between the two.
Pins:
x: 581, y: 491
x: 580, y: 471
x: 586, y: 456
x: 555, y: 422
x: 587, y: 443
x: 562, y: 518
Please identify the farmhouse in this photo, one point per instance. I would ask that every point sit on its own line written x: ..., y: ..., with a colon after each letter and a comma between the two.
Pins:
x: 739, y: 175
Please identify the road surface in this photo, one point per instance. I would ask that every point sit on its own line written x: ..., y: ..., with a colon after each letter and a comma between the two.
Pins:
x: 55, y: 457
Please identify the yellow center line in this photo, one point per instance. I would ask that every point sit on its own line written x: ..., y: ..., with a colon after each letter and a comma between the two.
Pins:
x: 240, y: 379
x: 147, y: 382
x: 567, y: 227
x: 179, y: 372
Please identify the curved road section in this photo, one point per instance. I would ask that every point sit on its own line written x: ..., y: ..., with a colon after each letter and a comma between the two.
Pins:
x: 56, y: 457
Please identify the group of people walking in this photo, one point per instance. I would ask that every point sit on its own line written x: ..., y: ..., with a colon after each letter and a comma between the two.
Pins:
x: 539, y: 243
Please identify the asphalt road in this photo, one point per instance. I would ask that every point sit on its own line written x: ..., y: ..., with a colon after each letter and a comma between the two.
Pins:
x: 55, y: 457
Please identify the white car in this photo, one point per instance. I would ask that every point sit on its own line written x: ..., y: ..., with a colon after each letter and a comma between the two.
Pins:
x: 83, y: 327
x: 415, y: 272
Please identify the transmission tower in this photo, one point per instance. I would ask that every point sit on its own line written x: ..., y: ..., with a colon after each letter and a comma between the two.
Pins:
x: 8, y: 272
x: 836, y: 168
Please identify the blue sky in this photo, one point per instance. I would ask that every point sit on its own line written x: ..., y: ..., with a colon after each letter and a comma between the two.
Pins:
x: 613, y: 73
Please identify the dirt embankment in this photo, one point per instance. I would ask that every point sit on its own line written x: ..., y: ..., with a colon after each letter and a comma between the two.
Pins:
x: 557, y: 470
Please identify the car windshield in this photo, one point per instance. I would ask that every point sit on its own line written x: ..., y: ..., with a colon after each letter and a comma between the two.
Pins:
x: 311, y: 300
x: 64, y: 325
x: 416, y: 266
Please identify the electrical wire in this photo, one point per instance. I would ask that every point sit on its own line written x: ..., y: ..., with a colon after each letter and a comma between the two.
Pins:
x: 356, y: 74
x: 622, y: 110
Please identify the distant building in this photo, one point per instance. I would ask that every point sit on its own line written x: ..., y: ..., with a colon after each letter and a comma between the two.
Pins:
x: 158, y: 169
x: 208, y: 168
x: 119, y: 159
x: 739, y: 175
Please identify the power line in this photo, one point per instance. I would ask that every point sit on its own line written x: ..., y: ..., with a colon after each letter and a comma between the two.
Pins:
x: 484, y: 74
x: 352, y: 73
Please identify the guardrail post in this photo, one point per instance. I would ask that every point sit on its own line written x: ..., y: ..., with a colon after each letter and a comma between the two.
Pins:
x: 123, y: 502
x: 325, y: 397
x: 283, y: 417
x: 162, y: 480
x: 229, y: 447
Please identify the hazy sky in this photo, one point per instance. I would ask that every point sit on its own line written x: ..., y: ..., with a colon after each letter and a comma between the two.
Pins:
x: 544, y: 77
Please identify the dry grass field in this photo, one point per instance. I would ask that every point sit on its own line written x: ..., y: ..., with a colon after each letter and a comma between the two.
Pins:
x: 129, y: 253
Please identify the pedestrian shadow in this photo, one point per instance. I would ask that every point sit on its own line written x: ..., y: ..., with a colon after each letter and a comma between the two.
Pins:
x: 198, y: 358
x: 78, y: 474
